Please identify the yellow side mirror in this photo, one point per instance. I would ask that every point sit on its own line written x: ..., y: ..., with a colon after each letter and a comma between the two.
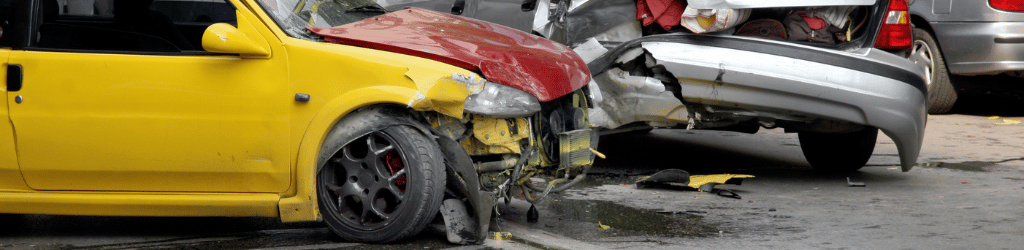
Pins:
x: 224, y: 38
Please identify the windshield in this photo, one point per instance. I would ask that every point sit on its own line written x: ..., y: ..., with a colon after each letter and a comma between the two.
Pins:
x: 295, y: 15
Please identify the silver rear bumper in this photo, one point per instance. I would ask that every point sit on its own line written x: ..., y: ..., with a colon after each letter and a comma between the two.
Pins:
x: 780, y: 80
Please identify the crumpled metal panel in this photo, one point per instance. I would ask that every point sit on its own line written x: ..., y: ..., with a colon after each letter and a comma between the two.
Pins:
x: 533, y: 64
x: 744, y: 4
x: 634, y: 98
x: 496, y: 135
x: 586, y: 19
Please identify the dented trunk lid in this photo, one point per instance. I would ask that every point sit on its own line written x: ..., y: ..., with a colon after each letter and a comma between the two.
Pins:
x: 536, y: 65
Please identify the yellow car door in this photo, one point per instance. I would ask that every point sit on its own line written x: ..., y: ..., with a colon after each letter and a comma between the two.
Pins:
x: 106, y: 107
x: 10, y: 176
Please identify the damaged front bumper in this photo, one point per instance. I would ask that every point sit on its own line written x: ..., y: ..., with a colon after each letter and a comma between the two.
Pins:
x: 491, y: 157
x: 729, y: 80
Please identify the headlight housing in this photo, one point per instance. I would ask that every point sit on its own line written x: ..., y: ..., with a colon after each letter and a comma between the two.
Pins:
x: 498, y: 100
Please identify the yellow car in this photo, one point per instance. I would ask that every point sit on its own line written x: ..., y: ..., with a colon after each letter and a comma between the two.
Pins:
x: 336, y: 111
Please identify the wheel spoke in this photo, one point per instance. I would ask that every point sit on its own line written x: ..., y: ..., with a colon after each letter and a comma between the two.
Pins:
x: 397, y: 175
x: 380, y: 167
x: 377, y: 211
x: 370, y: 209
x: 394, y: 190
x: 365, y: 217
x: 925, y: 57
x: 351, y: 189
x: 334, y: 189
x: 351, y: 164
x: 385, y: 149
x: 375, y: 148
x: 341, y: 206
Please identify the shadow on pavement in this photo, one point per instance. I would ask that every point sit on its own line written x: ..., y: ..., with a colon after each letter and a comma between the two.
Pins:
x: 694, y: 151
x: 997, y: 95
x: 102, y: 232
x: 704, y: 152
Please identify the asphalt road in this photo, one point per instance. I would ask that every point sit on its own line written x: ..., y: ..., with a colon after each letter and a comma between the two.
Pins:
x: 965, y: 193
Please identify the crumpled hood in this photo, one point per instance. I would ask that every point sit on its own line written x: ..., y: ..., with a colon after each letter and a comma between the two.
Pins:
x: 536, y: 65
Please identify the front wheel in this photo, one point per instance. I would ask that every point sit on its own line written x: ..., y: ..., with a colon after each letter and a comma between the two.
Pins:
x: 925, y: 52
x: 844, y: 152
x: 382, y: 186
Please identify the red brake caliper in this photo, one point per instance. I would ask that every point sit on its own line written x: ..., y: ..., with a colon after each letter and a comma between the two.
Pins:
x: 394, y: 165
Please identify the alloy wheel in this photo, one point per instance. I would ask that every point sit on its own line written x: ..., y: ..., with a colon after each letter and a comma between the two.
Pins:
x: 366, y: 182
x: 921, y: 54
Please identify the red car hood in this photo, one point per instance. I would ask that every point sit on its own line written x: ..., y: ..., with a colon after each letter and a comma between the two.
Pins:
x: 536, y: 65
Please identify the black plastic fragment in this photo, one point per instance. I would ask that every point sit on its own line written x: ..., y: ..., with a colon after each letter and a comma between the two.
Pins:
x: 854, y: 184
x: 664, y: 177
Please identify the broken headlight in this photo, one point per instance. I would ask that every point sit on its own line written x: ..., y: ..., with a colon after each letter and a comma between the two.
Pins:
x: 498, y: 100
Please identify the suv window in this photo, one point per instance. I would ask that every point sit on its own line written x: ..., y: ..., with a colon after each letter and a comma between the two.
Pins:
x: 129, y: 25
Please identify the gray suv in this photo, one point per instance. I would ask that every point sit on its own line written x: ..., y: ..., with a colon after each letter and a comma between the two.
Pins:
x: 965, y: 38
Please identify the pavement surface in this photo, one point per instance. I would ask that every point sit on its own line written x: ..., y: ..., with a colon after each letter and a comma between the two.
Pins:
x: 965, y: 193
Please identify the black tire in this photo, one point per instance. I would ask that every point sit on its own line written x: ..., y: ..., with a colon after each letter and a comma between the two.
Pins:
x: 925, y: 52
x: 845, y: 152
x: 379, y: 154
x: 11, y: 223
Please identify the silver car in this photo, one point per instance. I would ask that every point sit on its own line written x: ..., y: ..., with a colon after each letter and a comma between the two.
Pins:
x: 835, y: 96
x: 965, y: 38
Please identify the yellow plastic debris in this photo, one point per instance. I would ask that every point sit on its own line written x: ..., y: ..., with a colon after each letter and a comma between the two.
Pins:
x: 603, y: 226
x: 994, y: 117
x: 1008, y: 122
x: 699, y: 180
x: 501, y: 235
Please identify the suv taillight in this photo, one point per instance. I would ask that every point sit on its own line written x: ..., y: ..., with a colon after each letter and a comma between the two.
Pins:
x: 1007, y: 5
x: 895, y: 32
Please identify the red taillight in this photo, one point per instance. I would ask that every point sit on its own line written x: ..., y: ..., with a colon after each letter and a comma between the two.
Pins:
x: 895, y: 32
x: 1007, y: 5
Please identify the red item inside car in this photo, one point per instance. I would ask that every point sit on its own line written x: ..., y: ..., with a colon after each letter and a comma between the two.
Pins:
x: 667, y: 13
x: 814, y: 22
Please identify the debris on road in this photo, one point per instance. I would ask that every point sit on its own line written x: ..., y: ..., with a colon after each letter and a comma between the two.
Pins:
x: 690, y: 212
x: 664, y: 177
x: 854, y: 184
x: 1008, y: 122
x: 603, y: 226
x: 501, y: 235
x: 706, y: 183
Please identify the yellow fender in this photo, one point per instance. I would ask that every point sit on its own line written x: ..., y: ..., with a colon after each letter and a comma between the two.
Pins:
x: 302, y: 206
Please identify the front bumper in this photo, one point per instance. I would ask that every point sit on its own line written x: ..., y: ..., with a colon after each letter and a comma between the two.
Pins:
x: 786, y: 81
x: 981, y: 48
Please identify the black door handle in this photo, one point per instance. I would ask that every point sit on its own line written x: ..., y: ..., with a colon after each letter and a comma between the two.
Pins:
x: 14, y: 77
x: 458, y: 7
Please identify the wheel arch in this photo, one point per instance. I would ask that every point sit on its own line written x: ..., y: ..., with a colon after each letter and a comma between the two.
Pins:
x: 919, y: 22
x: 299, y: 202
